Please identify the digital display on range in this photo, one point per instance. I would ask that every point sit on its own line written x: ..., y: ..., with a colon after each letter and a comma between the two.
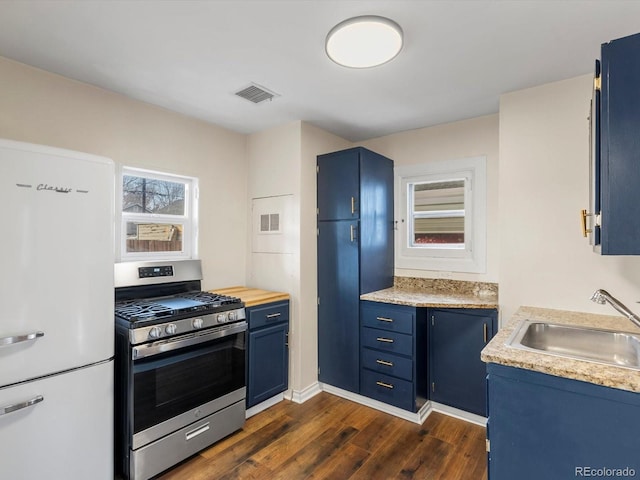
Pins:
x: 149, y: 272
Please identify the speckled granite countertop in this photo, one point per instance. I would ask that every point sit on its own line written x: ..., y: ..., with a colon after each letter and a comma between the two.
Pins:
x: 608, y: 375
x: 422, y: 292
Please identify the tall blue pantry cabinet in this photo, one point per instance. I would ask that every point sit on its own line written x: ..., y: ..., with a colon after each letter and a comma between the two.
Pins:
x: 355, y: 254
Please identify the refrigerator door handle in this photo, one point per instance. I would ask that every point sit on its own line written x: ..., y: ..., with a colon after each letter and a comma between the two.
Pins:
x: 19, y: 406
x: 20, y: 338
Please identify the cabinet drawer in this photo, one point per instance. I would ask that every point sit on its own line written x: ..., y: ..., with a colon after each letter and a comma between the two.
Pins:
x: 388, y: 318
x: 268, y: 314
x: 393, y: 342
x: 387, y: 363
x: 387, y: 389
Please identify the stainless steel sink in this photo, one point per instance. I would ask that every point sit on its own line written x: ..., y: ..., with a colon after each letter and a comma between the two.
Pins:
x: 583, y: 343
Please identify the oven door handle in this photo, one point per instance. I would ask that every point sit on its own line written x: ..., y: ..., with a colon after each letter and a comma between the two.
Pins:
x: 162, y: 346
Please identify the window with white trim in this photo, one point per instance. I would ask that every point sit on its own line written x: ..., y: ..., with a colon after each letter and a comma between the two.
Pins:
x: 158, y: 214
x: 441, y: 212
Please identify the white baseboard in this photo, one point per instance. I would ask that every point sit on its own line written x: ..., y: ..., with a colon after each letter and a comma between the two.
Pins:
x: 293, y: 395
x: 301, y: 396
x: 264, y: 405
x: 418, y: 417
x: 461, y: 414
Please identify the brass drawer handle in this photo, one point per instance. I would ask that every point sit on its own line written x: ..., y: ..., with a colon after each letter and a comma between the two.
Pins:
x: 385, y: 385
x: 385, y: 319
x: 384, y: 362
x: 583, y: 221
x: 385, y: 340
x: 353, y: 205
x: 274, y: 315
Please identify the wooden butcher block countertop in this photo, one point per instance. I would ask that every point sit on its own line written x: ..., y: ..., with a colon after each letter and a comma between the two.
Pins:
x: 252, y: 296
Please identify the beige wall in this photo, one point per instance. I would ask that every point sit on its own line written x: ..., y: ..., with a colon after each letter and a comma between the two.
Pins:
x: 535, y: 189
x: 40, y: 107
x: 282, y: 162
x: 274, y: 166
x: 464, y: 139
x: 544, y: 175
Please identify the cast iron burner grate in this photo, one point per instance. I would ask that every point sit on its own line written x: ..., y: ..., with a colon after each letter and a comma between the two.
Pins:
x: 210, y: 298
x: 133, y: 310
x: 139, y: 310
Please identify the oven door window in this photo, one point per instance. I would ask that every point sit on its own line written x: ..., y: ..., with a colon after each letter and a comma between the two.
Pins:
x: 172, y: 383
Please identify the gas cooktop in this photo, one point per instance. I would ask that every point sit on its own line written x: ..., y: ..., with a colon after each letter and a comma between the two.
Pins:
x: 175, y: 306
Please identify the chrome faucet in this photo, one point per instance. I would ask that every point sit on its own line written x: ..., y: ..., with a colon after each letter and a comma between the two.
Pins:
x: 602, y: 296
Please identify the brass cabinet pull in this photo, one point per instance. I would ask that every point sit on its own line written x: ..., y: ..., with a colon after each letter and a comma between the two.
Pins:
x: 286, y: 341
x: 385, y: 340
x: 385, y: 385
x: 352, y: 234
x: 384, y: 362
x: 485, y: 331
x: 385, y: 319
x: 353, y: 205
x: 274, y: 315
x: 583, y: 218
x: 583, y: 221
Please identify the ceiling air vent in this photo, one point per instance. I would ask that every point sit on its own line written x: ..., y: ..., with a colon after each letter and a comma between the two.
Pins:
x: 256, y: 94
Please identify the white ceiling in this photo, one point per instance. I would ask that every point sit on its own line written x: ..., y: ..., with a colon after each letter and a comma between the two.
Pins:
x: 191, y: 56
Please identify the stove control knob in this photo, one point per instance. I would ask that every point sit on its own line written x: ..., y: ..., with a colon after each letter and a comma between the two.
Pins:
x: 171, y: 329
x: 233, y: 316
x: 222, y: 318
x: 197, y: 323
x: 155, y: 332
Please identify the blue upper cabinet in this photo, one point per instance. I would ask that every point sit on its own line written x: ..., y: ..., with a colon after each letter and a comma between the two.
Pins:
x: 339, y: 186
x: 356, y: 186
x: 355, y: 254
x: 615, y: 147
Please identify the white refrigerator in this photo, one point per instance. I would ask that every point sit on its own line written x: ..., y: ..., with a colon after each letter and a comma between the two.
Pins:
x: 56, y: 314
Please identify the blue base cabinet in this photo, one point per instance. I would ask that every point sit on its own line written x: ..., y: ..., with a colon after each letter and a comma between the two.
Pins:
x: 393, y: 354
x: 355, y: 254
x: 267, y: 351
x: 546, y: 427
x: 457, y: 375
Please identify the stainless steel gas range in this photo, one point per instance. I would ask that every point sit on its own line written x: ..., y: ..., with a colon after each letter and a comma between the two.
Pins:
x: 180, y: 365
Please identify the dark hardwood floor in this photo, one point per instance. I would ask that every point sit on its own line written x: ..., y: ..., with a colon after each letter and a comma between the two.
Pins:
x: 330, y: 437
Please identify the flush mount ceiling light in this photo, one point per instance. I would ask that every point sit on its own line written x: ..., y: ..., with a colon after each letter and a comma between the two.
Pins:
x: 362, y: 42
